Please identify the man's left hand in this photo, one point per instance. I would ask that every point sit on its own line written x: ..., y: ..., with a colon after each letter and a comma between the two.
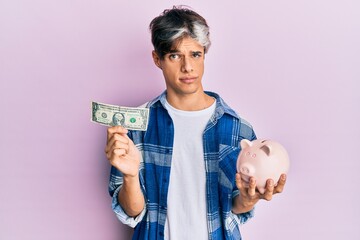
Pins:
x: 249, y: 196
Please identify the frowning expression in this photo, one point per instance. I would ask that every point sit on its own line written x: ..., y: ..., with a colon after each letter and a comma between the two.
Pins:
x: 183, y: 67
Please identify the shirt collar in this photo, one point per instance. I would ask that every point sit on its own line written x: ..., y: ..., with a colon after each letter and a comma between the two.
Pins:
x: 221, y: 106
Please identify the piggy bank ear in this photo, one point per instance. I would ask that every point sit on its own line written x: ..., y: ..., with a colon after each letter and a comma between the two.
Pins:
x: 245, y: 143
x: 266, y: 149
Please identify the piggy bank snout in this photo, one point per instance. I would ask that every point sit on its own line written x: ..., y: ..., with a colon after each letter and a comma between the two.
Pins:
x: 247, y: 169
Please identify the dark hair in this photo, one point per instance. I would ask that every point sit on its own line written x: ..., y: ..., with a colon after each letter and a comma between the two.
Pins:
x: 173, y: 25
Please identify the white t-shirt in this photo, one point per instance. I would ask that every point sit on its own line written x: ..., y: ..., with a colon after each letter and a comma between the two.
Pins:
x: 186, y: 200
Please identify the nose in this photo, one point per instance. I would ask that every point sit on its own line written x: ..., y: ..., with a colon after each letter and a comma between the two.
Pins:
x: 187, y: 65
x: 247, y: 169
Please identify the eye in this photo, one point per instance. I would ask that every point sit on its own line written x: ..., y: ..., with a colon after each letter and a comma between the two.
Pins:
x: 248, y: 154
x: 196, y: 54
x: 174, y: 56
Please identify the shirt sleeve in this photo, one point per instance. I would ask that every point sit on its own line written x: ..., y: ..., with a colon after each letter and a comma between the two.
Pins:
x: 115, y: 185
x: 121, y: 214
x: 243, y: 217
x: 247, y: 132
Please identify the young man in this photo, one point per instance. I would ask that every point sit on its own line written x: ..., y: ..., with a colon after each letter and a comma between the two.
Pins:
x: 178, y: 179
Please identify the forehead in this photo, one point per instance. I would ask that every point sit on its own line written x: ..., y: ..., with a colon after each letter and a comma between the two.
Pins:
x: 187, y: 44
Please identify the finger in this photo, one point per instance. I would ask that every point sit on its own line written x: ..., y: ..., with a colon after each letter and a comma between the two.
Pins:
x: 119, y: 152
x: 116, y: 129
x: 238, y: 181
x: 129, y: 141
x: 116, y: 154
x: 269, y: 190
x: 252, y: 187
x: 116, y: 137
x: 120, y: 146
x: 281, y: 184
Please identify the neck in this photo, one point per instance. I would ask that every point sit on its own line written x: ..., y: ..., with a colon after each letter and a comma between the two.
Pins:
x: 190, y: 102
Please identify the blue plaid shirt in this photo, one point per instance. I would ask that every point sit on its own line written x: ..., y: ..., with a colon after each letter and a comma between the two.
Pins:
x: 221, y: 140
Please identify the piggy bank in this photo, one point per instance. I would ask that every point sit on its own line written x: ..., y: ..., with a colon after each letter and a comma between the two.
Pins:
x: 263, y: 160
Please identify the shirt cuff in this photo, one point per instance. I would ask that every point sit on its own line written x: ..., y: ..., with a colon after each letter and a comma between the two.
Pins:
x: 121, y: 214
x: 244, y: 217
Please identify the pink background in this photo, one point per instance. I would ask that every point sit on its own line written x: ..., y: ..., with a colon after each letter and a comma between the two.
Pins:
x: 291, y: 68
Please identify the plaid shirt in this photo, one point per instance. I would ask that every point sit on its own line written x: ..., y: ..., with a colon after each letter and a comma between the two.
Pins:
x: 221, y: 140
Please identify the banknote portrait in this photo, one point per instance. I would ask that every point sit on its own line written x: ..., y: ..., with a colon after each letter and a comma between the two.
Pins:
x: 118, y: 119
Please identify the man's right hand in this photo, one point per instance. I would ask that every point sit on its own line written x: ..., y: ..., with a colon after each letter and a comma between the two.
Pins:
x: 121, y: 151
x: 124, y: 156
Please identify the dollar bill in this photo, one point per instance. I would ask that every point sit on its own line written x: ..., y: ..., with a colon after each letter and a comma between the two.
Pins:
x: 111, y: 115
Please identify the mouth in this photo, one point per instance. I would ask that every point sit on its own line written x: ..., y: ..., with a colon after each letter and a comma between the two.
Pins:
x: 188, y: 79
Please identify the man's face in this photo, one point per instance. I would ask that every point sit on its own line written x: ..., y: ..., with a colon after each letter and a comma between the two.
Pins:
x: 183, y: 67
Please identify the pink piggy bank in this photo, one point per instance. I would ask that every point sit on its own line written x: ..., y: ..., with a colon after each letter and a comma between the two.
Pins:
x: 263, y: 160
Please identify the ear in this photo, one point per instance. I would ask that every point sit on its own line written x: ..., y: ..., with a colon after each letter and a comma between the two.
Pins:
x: 266, y: 149
x: 156, y: 59
x: 245, y: 143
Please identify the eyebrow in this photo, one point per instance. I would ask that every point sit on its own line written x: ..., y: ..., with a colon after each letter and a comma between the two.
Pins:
x: 177, y: 51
